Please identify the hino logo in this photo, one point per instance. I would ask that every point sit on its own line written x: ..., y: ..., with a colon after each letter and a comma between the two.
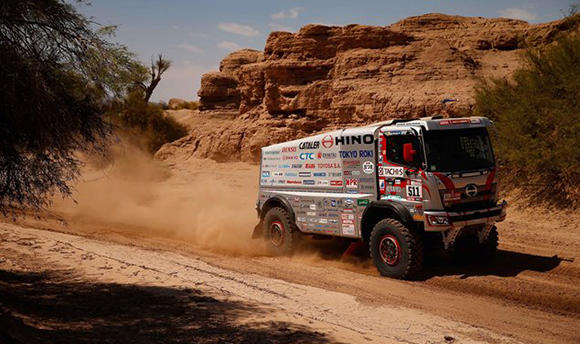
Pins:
x: 471, y: 190
x: 354, y: 139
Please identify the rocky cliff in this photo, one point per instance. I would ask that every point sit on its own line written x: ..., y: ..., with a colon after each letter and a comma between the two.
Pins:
x: 325, y: 77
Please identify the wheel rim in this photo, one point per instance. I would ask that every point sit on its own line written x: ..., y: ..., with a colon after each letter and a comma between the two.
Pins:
x: 277, y: 233
x: 390, y: 250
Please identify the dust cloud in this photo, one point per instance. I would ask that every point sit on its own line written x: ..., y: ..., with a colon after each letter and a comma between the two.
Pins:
x: 207, y: 204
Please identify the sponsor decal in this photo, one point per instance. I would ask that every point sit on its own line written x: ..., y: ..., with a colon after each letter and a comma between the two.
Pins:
x: 271, y: 158
x: 333, y: 203
x: 333, y: 221
x: 308, y: 182
x: 390, y: 188
x: 366, y: 180
x: 286, y: 157
x: 296, y: 165
x: 312, y: 206
x: 293, y: 182
x: 323, y: 221
x: 390, y: 171
x: 348, y: 173
x: 367, y: 187
x: 352, y: 163
x: 309, y: 145
x: 265, y: 174
x: 309, y: 166
x: 335, y: 174
x: 306, y: 156
x: 291, y: 174
x: 413, y: 191
x: 381, y: 184
x: 272, y: 152
x: 351, y: 183
x: 351, y: 191
x: 319, y: 174
x: 336, y: 183
x: 329, y: 165
x: 348, y: 229
x: 310, y: 213
x: 323, y: 155
x: 348, y: 202
x: 323, y: 182
x: 368, y: 167
x: 362, y: 202
x: 354, y: 139
x: 395, y: 132
x: 327, y: 141
x: 284, y: 166
x: 288, y: 149
x: 278, y: 174
x: 304, y: 174
x: 353, y: 154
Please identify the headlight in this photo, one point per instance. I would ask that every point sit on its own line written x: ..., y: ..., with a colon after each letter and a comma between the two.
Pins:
x: 438, y: 220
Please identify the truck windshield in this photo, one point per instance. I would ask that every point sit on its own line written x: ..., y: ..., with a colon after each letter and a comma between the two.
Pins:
x: 458, y: 150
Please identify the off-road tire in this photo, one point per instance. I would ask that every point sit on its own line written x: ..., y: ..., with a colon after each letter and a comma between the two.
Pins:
x: 488, y: 248
x: 409, y: 261
x: 467, y: 250
x: 279, y: 217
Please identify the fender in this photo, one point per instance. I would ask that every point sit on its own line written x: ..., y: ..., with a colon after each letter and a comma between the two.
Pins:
x: 381, y: 209
x: 269, y: 204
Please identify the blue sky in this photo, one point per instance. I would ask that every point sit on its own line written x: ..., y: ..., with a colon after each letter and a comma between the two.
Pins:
x: 196, y: 35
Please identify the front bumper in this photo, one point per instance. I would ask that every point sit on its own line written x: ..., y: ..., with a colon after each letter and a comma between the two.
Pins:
x: 457, y: 220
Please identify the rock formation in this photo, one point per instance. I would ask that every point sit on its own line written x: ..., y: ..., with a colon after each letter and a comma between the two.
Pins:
x: 326, y: 77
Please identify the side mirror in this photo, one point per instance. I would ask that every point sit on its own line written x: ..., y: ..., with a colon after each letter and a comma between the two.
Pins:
x: 409, y: 153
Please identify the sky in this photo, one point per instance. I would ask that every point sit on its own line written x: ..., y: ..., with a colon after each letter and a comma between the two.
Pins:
x: 196, y: 35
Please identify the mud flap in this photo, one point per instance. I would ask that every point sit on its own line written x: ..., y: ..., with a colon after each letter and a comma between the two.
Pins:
x: 258, y: 231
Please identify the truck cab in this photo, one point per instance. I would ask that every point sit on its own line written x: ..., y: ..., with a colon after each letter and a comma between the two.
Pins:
x: 391, y: 185
x: 444, y: 172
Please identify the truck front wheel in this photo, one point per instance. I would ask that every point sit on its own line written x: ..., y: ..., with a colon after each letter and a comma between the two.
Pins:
x: 396, y: 250
x: 279, y: 230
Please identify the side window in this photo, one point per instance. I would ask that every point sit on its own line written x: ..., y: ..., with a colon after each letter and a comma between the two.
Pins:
x: 395, y: 144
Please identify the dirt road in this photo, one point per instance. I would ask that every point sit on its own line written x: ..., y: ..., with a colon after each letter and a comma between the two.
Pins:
x: 189, y: 228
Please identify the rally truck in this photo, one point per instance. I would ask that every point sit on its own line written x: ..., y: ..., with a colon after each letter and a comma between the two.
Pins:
x: 393, y: 185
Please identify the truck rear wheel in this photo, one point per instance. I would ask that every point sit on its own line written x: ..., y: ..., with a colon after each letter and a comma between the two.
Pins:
x: 396, y: 250
x: 279, y: 231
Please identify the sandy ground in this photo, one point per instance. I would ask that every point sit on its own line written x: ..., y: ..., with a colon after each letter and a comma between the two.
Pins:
x: 175, y: 241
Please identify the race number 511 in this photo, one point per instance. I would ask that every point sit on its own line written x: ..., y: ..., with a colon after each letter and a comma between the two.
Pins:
x: 413, y: 191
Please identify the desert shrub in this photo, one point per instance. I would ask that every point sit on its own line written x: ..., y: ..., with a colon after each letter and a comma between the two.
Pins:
x: 145, y: 123
x: 537, y: 122
x: 57, y: 70
x: 193, y: 105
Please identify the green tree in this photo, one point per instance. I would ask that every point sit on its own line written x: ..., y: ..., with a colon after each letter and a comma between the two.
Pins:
x: 57, y: 76
x: 537, y: 117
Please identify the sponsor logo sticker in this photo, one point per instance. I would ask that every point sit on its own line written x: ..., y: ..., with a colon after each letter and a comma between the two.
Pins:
x: 351, y: 183
x: 327, y: 141
x: 391, y: 171
x: 368, y: 167
x: 309, y: 145
x: 362, y: 202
